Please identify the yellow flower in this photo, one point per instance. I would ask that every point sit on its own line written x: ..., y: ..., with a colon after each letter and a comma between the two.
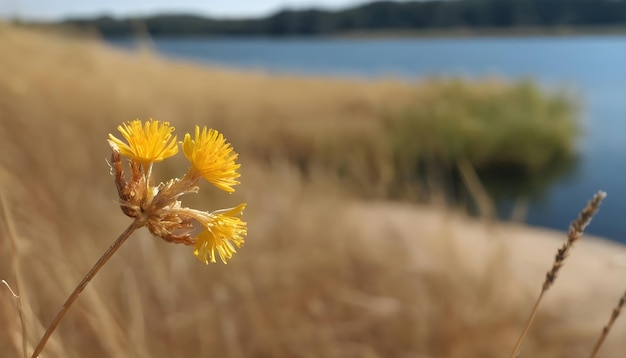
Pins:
x: 149, y: 143
x: 212, y: 158
x: 223, y: 234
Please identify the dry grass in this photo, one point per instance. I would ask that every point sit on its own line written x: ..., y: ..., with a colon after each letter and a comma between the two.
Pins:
x: 314, y: 279
x: 574, y: 234
x: 607, y: 329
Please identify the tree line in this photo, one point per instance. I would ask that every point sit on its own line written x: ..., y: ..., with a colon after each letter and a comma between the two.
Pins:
x: 378, y: 16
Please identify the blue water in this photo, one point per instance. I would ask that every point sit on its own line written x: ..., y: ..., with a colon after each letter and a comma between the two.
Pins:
x: 593, y: 67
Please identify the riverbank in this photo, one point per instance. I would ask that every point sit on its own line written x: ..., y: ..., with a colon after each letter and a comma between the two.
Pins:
x: 377, y: 138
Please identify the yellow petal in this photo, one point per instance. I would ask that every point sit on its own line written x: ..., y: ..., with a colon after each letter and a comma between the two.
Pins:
x: 146, y: 143
x: 223, y: 234
x: 212, y: 157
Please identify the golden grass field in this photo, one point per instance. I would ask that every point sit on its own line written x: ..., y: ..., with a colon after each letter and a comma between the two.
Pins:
x: 323, y: 273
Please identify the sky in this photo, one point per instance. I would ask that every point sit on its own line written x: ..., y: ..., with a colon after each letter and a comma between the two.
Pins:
x: 59, y: 9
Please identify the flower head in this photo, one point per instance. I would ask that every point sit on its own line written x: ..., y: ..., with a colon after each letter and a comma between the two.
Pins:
x: 212, y: 158
x: 146, y: 143
x: 223, y: 234
x: 158, y: 207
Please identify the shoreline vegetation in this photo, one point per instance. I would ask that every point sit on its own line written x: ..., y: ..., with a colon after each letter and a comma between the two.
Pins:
x: 383, y: 18
x: 140, y: 32
x: 386, y: 138
x: 485, y: 33
x: 330, y: 259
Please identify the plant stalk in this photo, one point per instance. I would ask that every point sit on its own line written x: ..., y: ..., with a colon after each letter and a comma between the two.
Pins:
x: 529, y: 323
x: 81, y: 286
x: 605, y: 331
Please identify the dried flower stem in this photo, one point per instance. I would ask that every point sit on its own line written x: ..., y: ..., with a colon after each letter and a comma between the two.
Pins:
x: 81, y: 286
x: 15, y: 267
x: 18, y: 306
x: 574, y: 233
x: 605, y: 331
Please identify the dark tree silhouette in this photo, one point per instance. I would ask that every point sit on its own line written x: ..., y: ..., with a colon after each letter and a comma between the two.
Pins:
x: 380, y: 15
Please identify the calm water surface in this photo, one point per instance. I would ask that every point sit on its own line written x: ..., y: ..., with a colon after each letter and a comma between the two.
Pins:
x: 594, y: 67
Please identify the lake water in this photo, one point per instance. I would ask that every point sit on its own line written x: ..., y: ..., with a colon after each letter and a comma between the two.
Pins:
x: 593, y: 66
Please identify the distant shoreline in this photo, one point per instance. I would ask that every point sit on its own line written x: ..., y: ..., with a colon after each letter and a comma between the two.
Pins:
x: 378, y: 19
x: 516, y: 32
x: 485, y: 32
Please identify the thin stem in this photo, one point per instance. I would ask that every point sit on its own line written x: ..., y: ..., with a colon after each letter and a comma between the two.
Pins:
x: 81, y: 286
x: 148, y: 178
x: 16, y: 268
x: 605, y: 331
x: 599, y: 343
x: 529, y: 323
x: 18, y: 306
x: 574, y: 234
